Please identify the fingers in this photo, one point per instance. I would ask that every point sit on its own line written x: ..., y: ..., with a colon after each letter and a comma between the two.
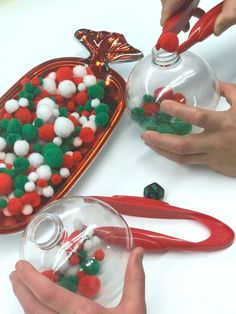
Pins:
x: 26, y: 298
x: 203, y: 118
x: 133, y: 298
x: 50, y: 294
x: 169, y: 7
x: 226, y: 18
x: 228, y: 90
x: 184, y: 145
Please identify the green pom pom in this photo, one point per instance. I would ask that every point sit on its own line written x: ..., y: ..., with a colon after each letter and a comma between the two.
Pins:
x: 80, y: 109
x: 102, y: 83
x: 53, y: 98
x: 49, y: 146
x: 83, y: 255
x: 40, y: 80
x: 77, y: 131
x: 64, y: 148
x: 3, y: 203
x: 102, y: 108
x: 137, y: 114
x: 88, y: 106
x: 69, y: 282
x: 164, y: 128
x: 96, y: 91
x: 36, y: 91
x: 20, y: 181
x: 38, y: 122
x: 18, y: 193
x: 163, y: 117
x: 30, y: 97
x: 148, y: 98
x: 69, y: 140
x: 30, y: 132
x: 10, y: 172
x: 90, y: 266
x: 53, y: 157
x: 28, y: 87
x: 181, y: 127
x: 102, y: 119
x: 14, y: 126
x: 37, y: 148
x: 12, y: 138
x: 23, y: 94
x: 148, y: 123
x: 63, y: 112
x: 31, y: 106
x: 4, y: 124
x: 21, y: 164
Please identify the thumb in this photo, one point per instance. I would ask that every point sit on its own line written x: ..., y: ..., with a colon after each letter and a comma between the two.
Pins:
x: 133, y: 296
x: 228, y: 90
x: 169, y: 7
x: 226, y: 18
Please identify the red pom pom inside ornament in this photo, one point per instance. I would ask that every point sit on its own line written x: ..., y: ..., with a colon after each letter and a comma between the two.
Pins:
x: 151, y: 108
x: 162, y: 93
x: 6, y: 184
x: 64, y: 73
x: 50, y: 274
x: 179, y: 98
x: 89, y: 286
x: 168, y: 41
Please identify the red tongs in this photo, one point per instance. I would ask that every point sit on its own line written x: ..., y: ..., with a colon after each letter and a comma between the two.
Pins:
x: 221, y: 235
x: 200, y: 31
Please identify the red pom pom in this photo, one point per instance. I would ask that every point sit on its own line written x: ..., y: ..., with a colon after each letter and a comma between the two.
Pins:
x: 7, y: 116
x: 31, y: 198
x: 15, y: 206
x: 89, y: 286
x: 179, y: 98
x: 71, y: 106
x: 46, y: 132
x: 85, y: 113
x: 168, y: 41
x: 86, y: 135
x: 6, y: 184
x: 81, y: 274
x: 44, y: 93
x: 99, y: 255
x: 24, y: 115
x: 77, y: 156
x: 24, y: 80
x: 82, y: 98
x: 59, y: 99
x: 89, y: 71
x: 35, y: 81
x: 74, y: 259
x: 151, y: 108
x: 68, y: 161
x: 64, y: 73
x: 56, y: 179
x: 50, y: 274
x: 78, y: 80
x: 74, y: 120
x: 162, y: 93
x: 42, y: 183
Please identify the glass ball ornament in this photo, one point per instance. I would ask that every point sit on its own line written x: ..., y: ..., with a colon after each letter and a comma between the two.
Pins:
x: 73, y: 242
x: 185, y: 78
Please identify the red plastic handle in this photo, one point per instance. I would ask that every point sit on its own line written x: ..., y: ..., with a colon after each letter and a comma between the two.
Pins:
x: 221, y: 235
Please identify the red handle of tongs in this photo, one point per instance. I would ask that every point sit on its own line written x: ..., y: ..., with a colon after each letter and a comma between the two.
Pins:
x: 221, y: 235
x: 200, y: 31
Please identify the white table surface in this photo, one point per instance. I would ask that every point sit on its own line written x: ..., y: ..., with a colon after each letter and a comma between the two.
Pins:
x: 176, y: 283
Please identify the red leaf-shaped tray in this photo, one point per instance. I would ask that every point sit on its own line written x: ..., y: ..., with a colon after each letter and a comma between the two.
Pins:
x: 104, y: 48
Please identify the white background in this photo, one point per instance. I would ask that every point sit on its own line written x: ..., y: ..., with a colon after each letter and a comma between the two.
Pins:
x: 176, y: 283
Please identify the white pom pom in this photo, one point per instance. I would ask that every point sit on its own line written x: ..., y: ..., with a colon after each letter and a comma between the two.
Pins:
x: 33, y: 177
x: 11, y: 105
x: 64, y: 172
x: 35, y: 159
x: 57, y: 140
x: 38, y: 189
x: 44, y: 172
x: 3, y: 143
x: 66, y: 88
x: 79, y: 71
x: 70, y: 153
x: 76, y: 115
x: 95, y: 102
x: 2, y: 165
x: 90, y: 124
x: 48, y: 102
x: 95, y: 241
x: 2, y: 156
x: 92, y: 117
x: 63, y: 127
x: 23, y: 102
x: 10, y: 196
x: 6, y: 212
x: 29, y: 186
x: 10, y: 157
x: 81, y: 87
x: 49, y: 85
x: 77, y: 142
x: 21, y: 148
x: 90, y: 80
x: 78, y: 224
x: 72, y: 270
x: 44, y: 112
x: 27, y: 210
x: 48, y: 191
x: 52, y: 75
x: 56, y: 113
x: 88, y: 245
x: 83, y: 119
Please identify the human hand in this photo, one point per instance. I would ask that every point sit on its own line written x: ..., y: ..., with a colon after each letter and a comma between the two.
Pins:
x: 214, y: 148
x: 225, y: 19
x: 39, y: 295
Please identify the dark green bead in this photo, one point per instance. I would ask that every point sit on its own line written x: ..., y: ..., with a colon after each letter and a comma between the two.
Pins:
x: 154, y: 191
x: 148, y: 98
x: 3, y: 203
x: 181, y: 127
x: 90, y: 266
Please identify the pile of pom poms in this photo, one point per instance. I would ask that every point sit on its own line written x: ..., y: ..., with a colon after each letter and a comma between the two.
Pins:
x: 76, y: 263
x: 149, y: 116
x: 44, y: 133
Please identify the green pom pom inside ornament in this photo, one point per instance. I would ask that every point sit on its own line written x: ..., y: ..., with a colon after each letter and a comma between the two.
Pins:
x: 21, y: 164
x: 137, y: 114
x: 96, y: 91
x: 30, y: 132
x: 148, y: 98
x: 91, y: 266
x: 102, y: 119
x: 69, y: 282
